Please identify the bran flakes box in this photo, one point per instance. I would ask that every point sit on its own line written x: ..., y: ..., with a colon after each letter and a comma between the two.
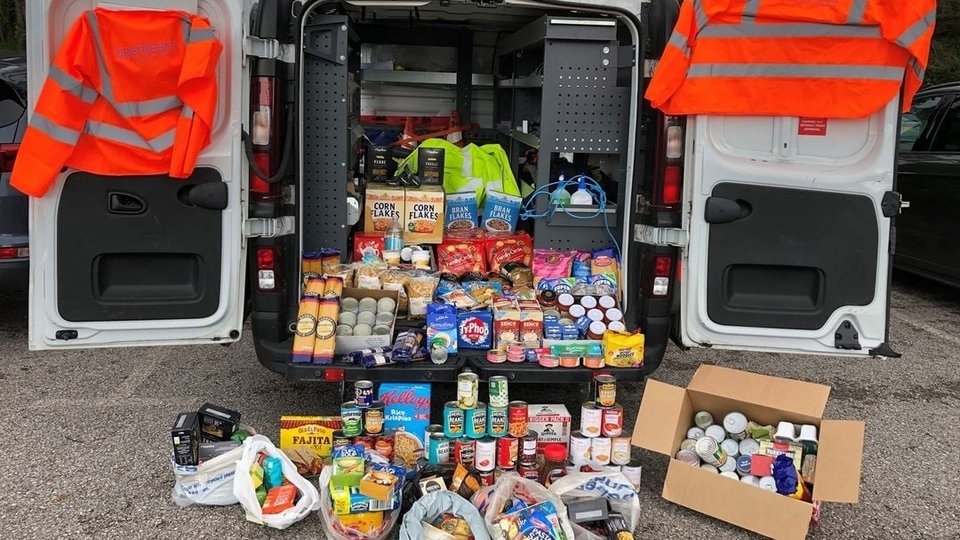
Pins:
x: 551, y: 422
x: 462, y: 213
x: 475, y: 329
x: 501, y: 212
x: 407, y: 411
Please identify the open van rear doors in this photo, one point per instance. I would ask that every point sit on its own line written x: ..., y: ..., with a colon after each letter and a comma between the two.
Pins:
x: 145, y: 260
x: 789, y: 233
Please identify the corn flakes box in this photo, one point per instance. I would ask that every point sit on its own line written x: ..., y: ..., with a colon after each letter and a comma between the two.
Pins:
x: 423, y: 217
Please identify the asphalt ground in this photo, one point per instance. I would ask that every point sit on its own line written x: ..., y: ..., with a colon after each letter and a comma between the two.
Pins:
x: 85, y: 444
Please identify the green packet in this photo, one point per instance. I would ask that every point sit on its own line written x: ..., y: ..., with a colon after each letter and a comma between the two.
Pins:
x: 579, y: 349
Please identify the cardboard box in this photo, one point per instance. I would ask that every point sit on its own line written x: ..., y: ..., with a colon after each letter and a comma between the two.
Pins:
x: 506, y: 321
x: 185, y: 434
x: 347, y: 344
x: 217, y: 423
x: 666, y: 413
x: 551, y: 422
x: 531, y: 323
x: 381, y: 206
x: 407, y: 411
x: 306, y: 440
x: 423, y: 218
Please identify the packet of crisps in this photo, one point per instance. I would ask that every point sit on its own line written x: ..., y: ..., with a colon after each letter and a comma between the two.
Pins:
x: 623, y: 349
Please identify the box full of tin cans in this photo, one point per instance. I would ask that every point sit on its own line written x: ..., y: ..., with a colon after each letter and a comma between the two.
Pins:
x: 738, y: 411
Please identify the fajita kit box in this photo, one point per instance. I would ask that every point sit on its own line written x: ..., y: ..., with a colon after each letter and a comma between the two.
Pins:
x: 430, y: 166
x: 407, y: 411
x: 667, y: 411
x: 186, y: 438
x: 217, y: 423
x: 381, y: 206
x: 306, y: 440
x: 423, y: 218
x: 551, y: 422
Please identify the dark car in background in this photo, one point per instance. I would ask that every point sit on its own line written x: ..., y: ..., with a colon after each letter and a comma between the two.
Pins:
x: 14, y: 248
x: 928, y: 232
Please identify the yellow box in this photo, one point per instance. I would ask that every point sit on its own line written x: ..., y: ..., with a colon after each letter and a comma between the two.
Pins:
x: 365, y: 522
x: 381, y: 207
x: 423, y: 217
x: 308, y: 439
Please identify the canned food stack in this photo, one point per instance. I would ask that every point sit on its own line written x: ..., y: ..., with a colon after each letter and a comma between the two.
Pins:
x: 366, y: 317
x: 363, y: 422
x: 755, y: 454
x: 586, y: 316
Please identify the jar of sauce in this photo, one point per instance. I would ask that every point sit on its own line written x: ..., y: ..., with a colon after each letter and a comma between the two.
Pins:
x: 596, y: 330
x: 548, y: 299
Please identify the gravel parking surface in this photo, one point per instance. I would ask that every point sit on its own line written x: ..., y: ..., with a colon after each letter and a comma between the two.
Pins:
x: 86, y: 444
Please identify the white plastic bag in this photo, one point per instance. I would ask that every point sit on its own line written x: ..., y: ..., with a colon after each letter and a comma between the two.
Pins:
x: 431, y: 505
x: 613, y: 486
x: 247, y: 495
x: 512, y: 485
x: 331, y: 525
x: 208, y: 484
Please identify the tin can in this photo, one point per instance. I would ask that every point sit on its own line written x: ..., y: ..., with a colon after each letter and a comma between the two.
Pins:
x: 528, y: 448
x: 731, y: 448
x: 768, y: 483
x: 695, y: 433
x: 703, y: 419
x: 730, y: 474
x: 736, y: 425
x: 373, y: 418
x: 438, y: 449
x: 571, y: 467
x: 591, y: 419
x: 633, y: 471
x: 339, y: 439
x: 487, y: 478
x: 750, y: 479
x: 496, y: 421
x: 716, y: 433
x: 730, y: 465
x: 620, y: 450
x: 749, y: 447
x: 606, y: 390
x: 475, y: 421
x: 363, y: 393
x: 485, y: 454
x: 600, y: 448
x: 530, y: 355
x: 709, y: 467
x: 467, y: 390
x: 517, y: 413
x: 367, y: 441
x: 385, y: 443
x: 453, y: 420
x: 612, y: 421
x: 688, y: 457
x: 579, y: 448
x: 689, y: 444
x: 499, y: 394
x: 528, y: 471
x: 709, y: 450
x: 352, y: 419
x: 507, y: 452
x: 500, y: 471
x: 463, y: 451
x: 743, y: 464
x: 432, y: 428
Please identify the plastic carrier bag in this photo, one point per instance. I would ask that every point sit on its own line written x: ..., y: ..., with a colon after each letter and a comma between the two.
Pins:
x: 332, y: 527
x: 435, y: 504
x: 208, y: 484
x: 246, y: 494
x: 510, y: 487
x: 613, y: 486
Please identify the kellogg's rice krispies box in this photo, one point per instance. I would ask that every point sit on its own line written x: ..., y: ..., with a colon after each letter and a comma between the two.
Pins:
x: 407, y: 411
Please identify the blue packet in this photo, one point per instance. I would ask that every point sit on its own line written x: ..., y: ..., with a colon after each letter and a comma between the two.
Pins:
x: 501, y: 212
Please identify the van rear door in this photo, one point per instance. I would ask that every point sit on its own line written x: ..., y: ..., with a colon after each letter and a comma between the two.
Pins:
x: 789, y: 234
x: 146, y: 260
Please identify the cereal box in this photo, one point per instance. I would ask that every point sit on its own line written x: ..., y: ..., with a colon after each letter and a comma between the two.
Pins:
x: 423, y: 221
x: 475, y: 329
x: 531, y: 324
x: 442, y: 326
x: 406, y: 410
x: 462, y: 211
x: 506, y: 321
x: 551, y: 422
x: 501, y: 212
x: 308, y: 439
x: 381, y: 207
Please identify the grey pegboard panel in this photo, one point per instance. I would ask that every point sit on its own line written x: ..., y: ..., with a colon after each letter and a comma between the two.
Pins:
x: 325, y: 134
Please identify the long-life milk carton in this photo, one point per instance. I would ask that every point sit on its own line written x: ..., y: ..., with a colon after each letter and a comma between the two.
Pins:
x: 551, y: 422
x: 407, y: 412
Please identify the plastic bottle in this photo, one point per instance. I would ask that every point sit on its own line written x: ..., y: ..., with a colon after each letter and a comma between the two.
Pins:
x: 581, y: 197
x: 393, y: 239
x: 560, y: 196
x: 554, y: 456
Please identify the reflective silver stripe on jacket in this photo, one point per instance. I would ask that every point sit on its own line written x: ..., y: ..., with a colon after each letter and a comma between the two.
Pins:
x: 149, y: 106
x: 916, y: 29
x: 201, y: 34
x: 54, y: 130
x: 857, y: 10
x: 788, y: 30
x: 700, y: 14
x: 106, y: 86
x: 83, y: 92
x: 825, y: 71
x: 132, y: 138
x: 679, y: 41
x: 917, y: 69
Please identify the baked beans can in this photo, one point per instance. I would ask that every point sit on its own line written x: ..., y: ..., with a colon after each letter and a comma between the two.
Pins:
x: 453, y: 420
x: 600, y: 448
x: 528, y: 471
x: 579, y: 448
x: 499, y: 394
x: 352, y: 419
x: 487, y: 478
x: 485, y: 454
x: 475, y: 421
x: 384, y: 444
x: 507, y: 452
x: 463, y: 451
x: 496, y: 421
x: 709, y: 451
x: 339, y: 439
x: 612, y: 421
x: 620, y: 450
x: 606, y: 390
x: 517, y: 413
x: 467, y: 390
x: 591, y: 419
x: 528, y: 448
x: 363, y: 393
x: 373, y: 418
x: 438, y: 449
x: 430, y: 429
x: 368, y: 442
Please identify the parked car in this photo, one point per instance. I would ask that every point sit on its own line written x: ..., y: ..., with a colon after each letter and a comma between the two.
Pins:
x: 14, y: 249
x: 928, y: 232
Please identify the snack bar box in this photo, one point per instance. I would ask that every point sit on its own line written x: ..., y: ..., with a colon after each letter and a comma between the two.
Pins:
x: 667, y: 411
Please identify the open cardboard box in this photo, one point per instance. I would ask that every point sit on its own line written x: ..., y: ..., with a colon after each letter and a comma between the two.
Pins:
x: 666, y: 413
x: 348, y: 344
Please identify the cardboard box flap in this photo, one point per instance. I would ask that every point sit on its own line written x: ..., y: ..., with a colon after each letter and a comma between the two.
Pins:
x: 808, y: 399
x: 663, y: 411
x: 839, y: 457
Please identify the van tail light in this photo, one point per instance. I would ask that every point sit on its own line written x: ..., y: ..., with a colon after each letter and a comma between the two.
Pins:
x: 8, y: 154
x: 269, y: 275
x: 658, y: 272
x: 668, y: 187
x: 265, y: 135
x: 334, y: 375
x: 14, y: 252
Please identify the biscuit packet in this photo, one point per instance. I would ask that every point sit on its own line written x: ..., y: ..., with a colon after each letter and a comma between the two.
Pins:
x: 623, y: 349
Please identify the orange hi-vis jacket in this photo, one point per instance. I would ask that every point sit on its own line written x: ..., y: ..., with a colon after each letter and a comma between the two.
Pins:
x: 129, y: 92
x: 820, y: 58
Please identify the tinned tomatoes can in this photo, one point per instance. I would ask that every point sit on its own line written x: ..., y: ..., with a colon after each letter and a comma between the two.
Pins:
x: 507, y: 452
x: 517, y: 413
x: 464, y: 450
x: 487, y: 478
x: 612, y: 421
x: 485, y: 454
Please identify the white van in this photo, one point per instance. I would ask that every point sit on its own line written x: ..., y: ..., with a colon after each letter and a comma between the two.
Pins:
x: 742, y: 233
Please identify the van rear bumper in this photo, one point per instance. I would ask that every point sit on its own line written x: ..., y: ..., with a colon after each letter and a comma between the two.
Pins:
x: 14, y: 275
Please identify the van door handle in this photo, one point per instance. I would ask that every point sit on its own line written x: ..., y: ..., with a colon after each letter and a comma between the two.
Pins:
x: 126, y: 204
x: 209, y: 196
x: 719, y: 210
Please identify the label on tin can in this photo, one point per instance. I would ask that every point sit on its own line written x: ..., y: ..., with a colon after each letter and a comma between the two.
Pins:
x: 384, y: 444
x: 373, y: 418
x: 467, y: 390
x: 475, y: 421
x: 499, y: 393
x: 709, y: 450
x: 496, y: 421
x: 517, y: 413
x: 620, y: 450
x: 735, y: 424
x: 600, y: 448
x: 487, y: 478
x: 612, y: 421
x: 485, y: 454
x: 507, y: 452
x: 464, y: 451
x: 453, y: 420
x: 363, y: 393
x: 606, y: 386
x: 528, y: 448
x: 530, y: 472
x: 591, y: 419
x: 352, y: 419
x: 579, y: 448
x: 438, y: 450
x: 339, y: 439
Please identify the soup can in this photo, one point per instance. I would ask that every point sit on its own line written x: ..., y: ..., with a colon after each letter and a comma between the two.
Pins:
x: 689, y: 444
x: 528, y: 471
x: 688, y: 457
x: 487, y: 478
x: 736, y: 425
x: 363, y: 393
x: 453, y: 420
x: 385, y: 443
x: 632, y: 471
x: 517, y: 413
x: 373, y: 418
x: 612, y: 425
x: 716, y: 433
x: 352, y: 419
x: 600, y: 448
x: 709, y: 450
x: 606, y: 390
x: 464, y: 450
x: 467, y: 389
x: 579, y: 448
x: 528, y: 448
x: 508, y: 449
x: 438, y: 449
x: 475, y: 421
x: 485, y: 454
x: 620, y: 450
x: 498, y: 389
x: 339, y: 439
x: 591, y: 419
x: 496, y: 421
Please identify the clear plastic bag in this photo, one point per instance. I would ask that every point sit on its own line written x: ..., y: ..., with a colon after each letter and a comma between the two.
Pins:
x: 613, y: 486
x: 512, y: 486
x: 331, y: 524
x: 208, y: 484
x: 247, y: 495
